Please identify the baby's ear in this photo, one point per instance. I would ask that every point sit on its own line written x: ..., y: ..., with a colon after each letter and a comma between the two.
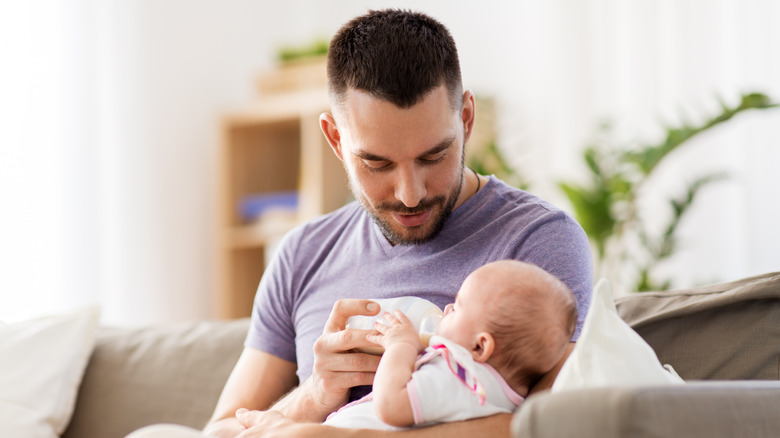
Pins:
x: 484, y: 347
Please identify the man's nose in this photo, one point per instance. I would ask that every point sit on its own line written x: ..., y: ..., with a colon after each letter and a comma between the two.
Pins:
x: 410, y: 187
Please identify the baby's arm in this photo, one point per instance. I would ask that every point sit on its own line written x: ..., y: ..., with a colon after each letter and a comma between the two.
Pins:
x: 402, y: 346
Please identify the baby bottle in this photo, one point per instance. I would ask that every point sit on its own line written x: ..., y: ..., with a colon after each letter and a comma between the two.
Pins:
x: 424, y: 315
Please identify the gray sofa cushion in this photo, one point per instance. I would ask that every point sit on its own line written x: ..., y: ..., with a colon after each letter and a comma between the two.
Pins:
x: 699, y: 409
x: 726, y: 331
x: 165, y: 374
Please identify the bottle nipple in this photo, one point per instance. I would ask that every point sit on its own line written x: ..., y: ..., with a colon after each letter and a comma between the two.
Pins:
x: 429, y: 324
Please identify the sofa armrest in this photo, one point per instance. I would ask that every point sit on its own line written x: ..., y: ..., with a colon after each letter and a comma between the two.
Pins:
x: 698, y: 409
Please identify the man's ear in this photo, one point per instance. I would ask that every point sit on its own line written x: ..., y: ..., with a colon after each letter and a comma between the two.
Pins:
x: 332, y: 134
x: 468, y: 114
x: 484, y: 347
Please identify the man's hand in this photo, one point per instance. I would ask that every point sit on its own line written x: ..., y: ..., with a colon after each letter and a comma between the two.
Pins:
x: 337, y: 365
x: 394, y: 329
x: 263, y: 424
x: 225, y: 428
x: 261, y: 421
x: 259, y: 424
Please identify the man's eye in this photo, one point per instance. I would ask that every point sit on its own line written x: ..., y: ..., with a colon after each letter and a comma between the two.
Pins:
x: 376, y: 165
x: 433, y: 159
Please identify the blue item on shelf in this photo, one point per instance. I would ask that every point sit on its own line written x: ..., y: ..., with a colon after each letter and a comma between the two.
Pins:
x: 253, y: 206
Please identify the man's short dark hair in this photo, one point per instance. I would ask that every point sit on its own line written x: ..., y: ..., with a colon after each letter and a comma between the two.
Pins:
x: 395, y: 55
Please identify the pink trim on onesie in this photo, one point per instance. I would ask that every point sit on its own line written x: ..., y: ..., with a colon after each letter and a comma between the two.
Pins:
x: 414, y: 401
x: 513, y: 396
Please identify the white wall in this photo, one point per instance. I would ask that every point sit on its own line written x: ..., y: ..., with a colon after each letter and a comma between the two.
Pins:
x: 161, y: 72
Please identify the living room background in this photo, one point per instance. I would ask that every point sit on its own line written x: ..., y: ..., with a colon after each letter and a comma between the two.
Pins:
x: 110, y: 127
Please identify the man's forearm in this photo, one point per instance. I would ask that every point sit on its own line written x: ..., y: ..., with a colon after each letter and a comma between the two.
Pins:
x: 496, y: 426
x: 300, y: 406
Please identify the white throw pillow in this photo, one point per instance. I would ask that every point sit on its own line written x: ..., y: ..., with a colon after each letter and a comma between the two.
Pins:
x: 42, y: 362
x: 610, y: 353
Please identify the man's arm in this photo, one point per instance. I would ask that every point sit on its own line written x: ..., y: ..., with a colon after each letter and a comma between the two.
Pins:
x: 257, y: 381
x: 337, y: 365
x: 265, y: 424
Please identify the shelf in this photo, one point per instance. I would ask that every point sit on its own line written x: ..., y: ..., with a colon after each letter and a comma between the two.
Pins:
x: 280, y: 107
x: 272, y: 146
x: 260, y: 233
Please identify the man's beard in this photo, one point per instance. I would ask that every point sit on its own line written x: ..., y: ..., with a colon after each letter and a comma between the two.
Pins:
x: 446, y: 204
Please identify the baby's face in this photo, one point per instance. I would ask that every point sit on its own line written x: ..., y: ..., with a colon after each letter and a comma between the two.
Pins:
x: 467, y: 317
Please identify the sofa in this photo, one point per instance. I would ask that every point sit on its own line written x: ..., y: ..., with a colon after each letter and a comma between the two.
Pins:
x: 724, y: 339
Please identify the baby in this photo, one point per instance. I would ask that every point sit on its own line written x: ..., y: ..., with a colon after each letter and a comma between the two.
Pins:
x: 510, y: 324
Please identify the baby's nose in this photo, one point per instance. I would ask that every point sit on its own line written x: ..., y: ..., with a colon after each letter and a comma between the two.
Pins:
x: 447, y: 309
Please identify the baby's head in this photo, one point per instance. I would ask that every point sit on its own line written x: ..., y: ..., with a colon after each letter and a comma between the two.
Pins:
x: 514, y: 316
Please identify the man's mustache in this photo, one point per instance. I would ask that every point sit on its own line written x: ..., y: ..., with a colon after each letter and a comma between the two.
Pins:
x: 399, y: 207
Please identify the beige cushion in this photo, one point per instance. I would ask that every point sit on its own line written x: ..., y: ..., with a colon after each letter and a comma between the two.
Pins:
x: 165, y: 374
x: 724, y: 331
x: 609, y: 353
x: 41, y: 365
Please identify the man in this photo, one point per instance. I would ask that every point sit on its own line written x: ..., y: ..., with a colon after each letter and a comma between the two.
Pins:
x: 422, y: 222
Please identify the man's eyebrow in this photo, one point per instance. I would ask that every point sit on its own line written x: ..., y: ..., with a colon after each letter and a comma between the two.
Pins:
x: 442, y: 145
x: 364, y: 155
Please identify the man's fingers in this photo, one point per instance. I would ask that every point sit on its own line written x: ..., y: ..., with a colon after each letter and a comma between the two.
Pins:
x: 345, y: 308
x: 247, y: 418
x: 264, y: 420
x: 363, y: 379
x: 351, y: 379
x: 348, y: 362
x: 355, y: 362
x: 342, y: 342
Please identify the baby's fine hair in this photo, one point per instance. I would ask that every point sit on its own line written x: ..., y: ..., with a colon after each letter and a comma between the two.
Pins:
x: 534, y: 320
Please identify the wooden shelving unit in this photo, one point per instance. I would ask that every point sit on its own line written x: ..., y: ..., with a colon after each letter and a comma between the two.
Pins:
x: 272, y: 146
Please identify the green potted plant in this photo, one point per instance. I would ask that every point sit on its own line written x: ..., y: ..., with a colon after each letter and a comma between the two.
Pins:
x: 607, y: 207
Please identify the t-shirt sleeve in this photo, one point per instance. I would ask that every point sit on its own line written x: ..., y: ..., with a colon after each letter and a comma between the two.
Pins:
x: 559, y: 246
x: 272, y: 329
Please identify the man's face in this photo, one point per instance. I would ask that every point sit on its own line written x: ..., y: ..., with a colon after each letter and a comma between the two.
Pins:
x: 405, y: 166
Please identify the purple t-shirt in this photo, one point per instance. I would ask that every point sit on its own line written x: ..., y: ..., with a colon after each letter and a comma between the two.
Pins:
x: 345, y: 255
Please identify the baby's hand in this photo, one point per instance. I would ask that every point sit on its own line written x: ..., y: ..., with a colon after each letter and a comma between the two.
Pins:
x: 396, y: 329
